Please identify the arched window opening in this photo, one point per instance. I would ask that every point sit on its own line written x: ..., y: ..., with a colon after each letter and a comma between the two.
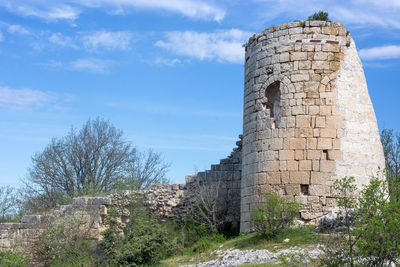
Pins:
x: 273, y: 95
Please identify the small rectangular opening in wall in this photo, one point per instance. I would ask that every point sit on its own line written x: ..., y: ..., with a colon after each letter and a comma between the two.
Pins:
x: 304, y: 189
x: 325, y: 154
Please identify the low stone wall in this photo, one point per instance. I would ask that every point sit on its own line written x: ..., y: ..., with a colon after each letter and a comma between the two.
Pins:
x: 172, y: 201
x: 27, y: 231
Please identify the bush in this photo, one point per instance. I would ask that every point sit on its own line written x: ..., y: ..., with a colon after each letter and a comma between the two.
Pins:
x: 371, y: 222
x: 274, y: 215
x: 191, y: 232
x: 320, y: 15
x: 379, y: 224
x: 11, y: 258
x: 143, y: 240
x: 66, y: 241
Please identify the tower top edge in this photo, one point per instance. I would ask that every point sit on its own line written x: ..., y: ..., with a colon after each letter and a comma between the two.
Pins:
x: 301, y: 30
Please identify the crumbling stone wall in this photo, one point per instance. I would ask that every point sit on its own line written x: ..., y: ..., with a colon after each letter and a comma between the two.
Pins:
x: 308, y: 118
x: 227, y: 177
x: 24, y: 233
x: 171, y: 202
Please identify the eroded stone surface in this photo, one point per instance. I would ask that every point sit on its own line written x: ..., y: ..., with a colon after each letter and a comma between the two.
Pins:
x: 321, y: 128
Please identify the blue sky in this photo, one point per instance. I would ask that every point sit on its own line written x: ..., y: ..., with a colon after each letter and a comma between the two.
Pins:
x: 169, y: 73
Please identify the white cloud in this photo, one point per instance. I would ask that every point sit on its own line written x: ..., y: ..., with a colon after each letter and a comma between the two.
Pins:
x: 223, y: 46
x: 45, y: 9
x: 381, y: 52
x: 360, y: 13
x: 62, y: 40
x: 70, y: 9
x: 109, y: 40
x: 93, y: 41
x: 17, y: 29
x: 166, y: 62
x: 23, y: 98
x: 93, y: 65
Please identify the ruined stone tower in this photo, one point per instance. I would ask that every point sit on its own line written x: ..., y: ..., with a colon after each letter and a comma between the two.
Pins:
x: 308, y: 117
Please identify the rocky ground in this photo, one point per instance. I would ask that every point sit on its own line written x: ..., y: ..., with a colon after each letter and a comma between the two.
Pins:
x: 236, y: 257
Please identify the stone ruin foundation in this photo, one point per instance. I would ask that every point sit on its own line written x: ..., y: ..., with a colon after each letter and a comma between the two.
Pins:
x: 308, y: 120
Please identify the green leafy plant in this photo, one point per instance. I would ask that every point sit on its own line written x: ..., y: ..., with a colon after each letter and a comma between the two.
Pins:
x: 12, y: 258
x: 142, y: 240
x: 65, y: 241
x: 378, y: 227
x: 371, y: 221
x: 340, y: 248
x: 320, y: 15
x: 274, y: 215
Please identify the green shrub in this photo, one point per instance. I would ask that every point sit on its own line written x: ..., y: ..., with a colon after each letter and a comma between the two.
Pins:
x: 191, y: 232
x: 143, y: 240
x: 82, y: 254
x: 379, y: 224
x: 371, y: 225
x: 320, y: 15
x: 66, y: 242
x: 12, y: 258
x: 274, y: 215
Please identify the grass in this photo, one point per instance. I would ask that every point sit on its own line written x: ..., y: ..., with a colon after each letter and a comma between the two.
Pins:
x: 305, y: 238
x: 300, y: 237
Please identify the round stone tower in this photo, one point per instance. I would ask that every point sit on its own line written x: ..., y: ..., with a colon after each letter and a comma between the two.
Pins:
x: 308, y: 118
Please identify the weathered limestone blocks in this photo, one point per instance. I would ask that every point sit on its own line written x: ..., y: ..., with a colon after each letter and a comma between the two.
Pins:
x: 170, y: 201
x: 227, y: 177
x: 27, y: 231
x: 308, y: 118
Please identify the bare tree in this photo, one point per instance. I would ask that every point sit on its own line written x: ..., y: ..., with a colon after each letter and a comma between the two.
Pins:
x: 208, y: 208
x: 95, y: 159
x: 146, y: 169
x: 391, y: 149
x: 8, y: 202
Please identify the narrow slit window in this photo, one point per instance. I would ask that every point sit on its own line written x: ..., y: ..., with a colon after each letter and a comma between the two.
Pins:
x: 273, y: 95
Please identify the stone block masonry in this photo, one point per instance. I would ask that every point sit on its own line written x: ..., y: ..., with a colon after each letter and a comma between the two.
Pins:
x: 308, y: 118
x: 171, y: 201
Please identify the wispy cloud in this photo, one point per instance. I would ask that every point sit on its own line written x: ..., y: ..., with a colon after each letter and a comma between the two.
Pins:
x: 93, y: 65
x: 23, y: 98
x: 161, y: 62
x: 93, y: 41
x: 196, y: 9
x: 17, y: 29
x: 223, y: 46
x: 47, y: 9
x: 360, y: 13
x: 381, y: 52
x: 108, y: 40
x: 70, y: 9
x: 62, y: 41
